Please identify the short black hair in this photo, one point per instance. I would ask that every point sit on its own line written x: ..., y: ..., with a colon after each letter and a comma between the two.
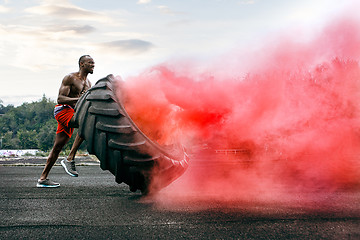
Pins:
x: 82, y: 58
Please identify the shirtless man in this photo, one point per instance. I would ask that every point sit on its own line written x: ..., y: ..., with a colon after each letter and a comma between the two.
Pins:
x: 72, y: 87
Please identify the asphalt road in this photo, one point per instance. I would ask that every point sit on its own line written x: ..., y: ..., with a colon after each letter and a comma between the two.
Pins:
x: 93, y: 206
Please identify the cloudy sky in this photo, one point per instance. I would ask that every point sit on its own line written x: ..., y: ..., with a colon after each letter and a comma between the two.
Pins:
x: 41, y: 40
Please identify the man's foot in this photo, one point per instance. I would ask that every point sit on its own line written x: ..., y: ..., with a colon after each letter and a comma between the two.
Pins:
x: 47, y: 183
x: 69, y: 167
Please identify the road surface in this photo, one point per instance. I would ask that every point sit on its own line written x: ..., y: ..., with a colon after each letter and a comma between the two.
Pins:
x: 93, y: 206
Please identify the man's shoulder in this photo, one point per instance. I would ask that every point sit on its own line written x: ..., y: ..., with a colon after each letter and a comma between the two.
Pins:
x: 71, y: 76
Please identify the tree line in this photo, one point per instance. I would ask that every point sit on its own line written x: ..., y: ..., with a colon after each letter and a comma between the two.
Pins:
x: 30, y: 126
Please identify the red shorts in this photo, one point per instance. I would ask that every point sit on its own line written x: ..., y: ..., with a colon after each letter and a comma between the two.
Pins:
x: 63, y: 115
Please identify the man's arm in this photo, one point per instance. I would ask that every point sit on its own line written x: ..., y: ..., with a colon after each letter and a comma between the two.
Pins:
x: 65, y: 90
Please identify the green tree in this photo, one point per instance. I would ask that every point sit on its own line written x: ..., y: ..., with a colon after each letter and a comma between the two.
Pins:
x: 9, y: 141
x: 1, y: 107
x: 28, y: 139
x: 31, y: 125
x: 46, y: 135
x: 20, y: 127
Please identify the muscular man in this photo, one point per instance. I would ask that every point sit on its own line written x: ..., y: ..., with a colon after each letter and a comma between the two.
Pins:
x: 72, y: 87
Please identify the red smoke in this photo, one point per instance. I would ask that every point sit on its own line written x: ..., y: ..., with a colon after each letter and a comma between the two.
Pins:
x: 292, y: 108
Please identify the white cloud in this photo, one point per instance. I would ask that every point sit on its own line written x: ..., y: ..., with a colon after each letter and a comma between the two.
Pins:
x: 127, y: 47
x: 65, y: 10
x: 247, y: 2
x: 144, y: 1
x: 50, y: 33
x: 124, y: 34
x: 17, y: 100
x: 4, y: 9
x: 37, y: 48
x: 77, y: 29
x: 168, y: 11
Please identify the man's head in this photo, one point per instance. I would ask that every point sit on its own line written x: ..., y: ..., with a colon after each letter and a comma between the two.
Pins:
x: 86, y: 63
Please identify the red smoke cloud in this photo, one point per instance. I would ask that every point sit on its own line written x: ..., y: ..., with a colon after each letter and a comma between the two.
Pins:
x: 292, y: 108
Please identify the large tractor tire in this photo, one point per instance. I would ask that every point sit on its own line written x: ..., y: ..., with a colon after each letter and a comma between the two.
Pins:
x: 120, y: 145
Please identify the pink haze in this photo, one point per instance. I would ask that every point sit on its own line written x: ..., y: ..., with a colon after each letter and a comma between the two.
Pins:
x: 291, y: 109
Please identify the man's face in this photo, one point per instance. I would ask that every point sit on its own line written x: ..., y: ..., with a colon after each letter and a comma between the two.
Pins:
x: 88, y: 65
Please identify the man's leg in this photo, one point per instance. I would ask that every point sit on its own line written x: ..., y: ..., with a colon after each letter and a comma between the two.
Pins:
x: 69, y: 163
x: 77, y: 142
x: 60, y: 140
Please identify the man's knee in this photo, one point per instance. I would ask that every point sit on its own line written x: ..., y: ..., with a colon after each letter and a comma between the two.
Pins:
x: 60, y: 140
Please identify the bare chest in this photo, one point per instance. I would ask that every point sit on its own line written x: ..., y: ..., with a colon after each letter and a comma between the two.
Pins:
x: 77, y: 87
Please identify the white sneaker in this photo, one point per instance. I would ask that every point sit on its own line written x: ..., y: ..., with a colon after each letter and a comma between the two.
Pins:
x: 69, y: 167
x: 47, y: 183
